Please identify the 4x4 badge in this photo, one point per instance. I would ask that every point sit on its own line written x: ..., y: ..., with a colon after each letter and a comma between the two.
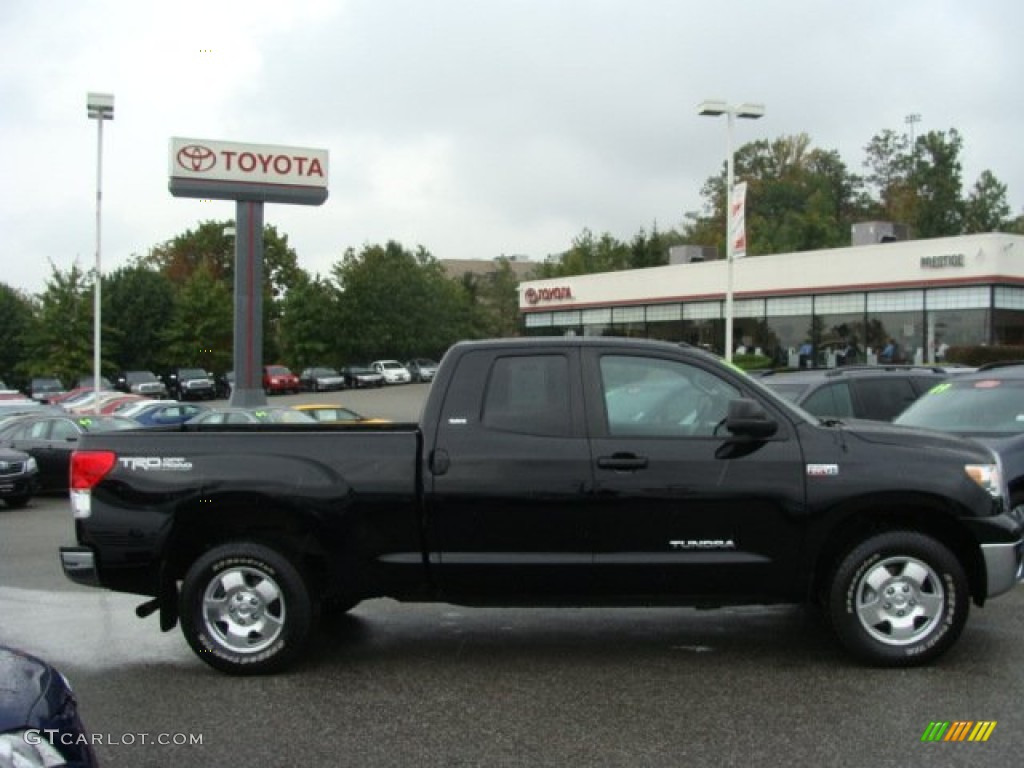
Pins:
x: 822, y: 470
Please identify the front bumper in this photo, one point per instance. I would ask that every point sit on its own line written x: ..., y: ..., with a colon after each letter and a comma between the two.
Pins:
x: 1004, y: 566
x: 79, y: 564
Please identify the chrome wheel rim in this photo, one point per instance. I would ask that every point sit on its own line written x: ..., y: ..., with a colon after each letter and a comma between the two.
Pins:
x: 900, y: 600
x: 244, y: 609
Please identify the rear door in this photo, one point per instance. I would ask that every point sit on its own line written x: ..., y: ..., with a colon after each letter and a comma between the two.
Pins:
x: 680, y: 509
x: 509, y: 477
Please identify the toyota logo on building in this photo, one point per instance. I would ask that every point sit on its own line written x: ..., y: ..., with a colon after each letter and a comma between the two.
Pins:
x: 535, y: 295
x: 196, y: 158
x: 531, y: 296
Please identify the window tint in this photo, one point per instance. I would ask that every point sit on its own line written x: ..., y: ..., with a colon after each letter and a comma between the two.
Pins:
x: 884, y: 399
x: 830, y: 400
x: 62, y: 430
x: 529, y: 395
x: 662, y: 398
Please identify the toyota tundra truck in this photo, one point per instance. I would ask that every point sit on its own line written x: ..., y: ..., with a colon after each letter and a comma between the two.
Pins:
x: 568, y: 471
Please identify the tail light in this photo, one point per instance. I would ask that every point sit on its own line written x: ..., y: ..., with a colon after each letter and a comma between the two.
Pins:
x: 87, y: 469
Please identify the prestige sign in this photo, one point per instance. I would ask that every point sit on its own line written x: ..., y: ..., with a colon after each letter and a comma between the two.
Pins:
x: 253, y: 172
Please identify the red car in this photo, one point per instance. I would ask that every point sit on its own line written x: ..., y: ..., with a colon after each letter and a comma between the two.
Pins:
x: 279, y: 380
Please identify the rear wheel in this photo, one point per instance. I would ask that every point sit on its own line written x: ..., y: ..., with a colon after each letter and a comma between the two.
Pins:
x: 899, y: 599
x: 245, y: 609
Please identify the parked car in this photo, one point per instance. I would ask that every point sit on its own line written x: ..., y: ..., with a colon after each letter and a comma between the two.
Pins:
x: 392, y: 371
x: 51, y: 438
x: 987, y: 405
x: 279, y: 380
x: 260, y: 415
x: 189, y: 384
x: 224, y: 384
x: 39, y: 720
x: 336, y: 414
x: 422, y: 368
x: 140, y: 383
x: 320, y: 379
x: 161, y: 413
x: 359, y: 377
x: 90, y: 381
x: 878, y: 393
x: 44, y: 388
x: 19, y: 477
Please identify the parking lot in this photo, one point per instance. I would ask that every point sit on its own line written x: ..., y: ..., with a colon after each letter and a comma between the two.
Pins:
x: 436, y: 684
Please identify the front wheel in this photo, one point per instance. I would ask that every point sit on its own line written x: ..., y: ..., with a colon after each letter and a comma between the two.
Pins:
x: 245, y: 609
x: 18, y: 501
x: 899, y: 599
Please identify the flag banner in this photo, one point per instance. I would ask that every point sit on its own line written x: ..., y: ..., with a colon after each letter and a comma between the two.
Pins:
x: 737, y: 220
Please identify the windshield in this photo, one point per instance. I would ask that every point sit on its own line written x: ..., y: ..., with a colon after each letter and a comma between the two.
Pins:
x: 193, y: 373
x: 278, y: 370
x: 139, y: 377
x: 981, y: 406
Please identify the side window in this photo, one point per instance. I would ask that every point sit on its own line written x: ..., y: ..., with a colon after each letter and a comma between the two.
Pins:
x: 830, y: 400
x: 662, y: 398
x: 63, y: 430
x: 529, y: 395
x: 884, y: 399
x: 40, y: 430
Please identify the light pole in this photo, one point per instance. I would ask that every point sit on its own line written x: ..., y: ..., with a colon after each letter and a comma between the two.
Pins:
x: 750, y: 112
x: 101, y: 107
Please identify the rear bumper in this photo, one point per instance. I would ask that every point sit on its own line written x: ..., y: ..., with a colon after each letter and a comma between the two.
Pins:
x: 79, y: 564
x: 1004, y: 566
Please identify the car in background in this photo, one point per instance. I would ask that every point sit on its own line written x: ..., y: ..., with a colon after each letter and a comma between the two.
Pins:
x: 259, y: 415
x: 44, y: 388
x: 140, y: 382
x: 90, y: 381
x: 874, y: 392
x: 321, y: 379
x: 360, y: 377
x: 163, y: 413
x: 392, y: 371
x: 19, y: 478
x: 987, y: 405
x: 279, y: 380
x: 422, y: 368
x: 51, y: 437
x: 336, y: 414
x: 189, y: 384
x: 39, y: 720
x: 224, y: 384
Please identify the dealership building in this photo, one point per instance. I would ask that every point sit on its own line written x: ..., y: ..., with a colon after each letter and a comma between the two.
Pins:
x: 924, y: 295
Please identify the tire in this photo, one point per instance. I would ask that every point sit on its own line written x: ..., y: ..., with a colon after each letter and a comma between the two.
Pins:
x: 245, y: 609
x: 18, y: 501
x: 899, y: 599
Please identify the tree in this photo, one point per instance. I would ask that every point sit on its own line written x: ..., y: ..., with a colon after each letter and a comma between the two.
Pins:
x: 200, y: 329
x: 59, y: 340
x: 397, y: 303
x: 138, y: 305
x: 310, y: 323
x: 986, y: 208
x: 17, y: 313
x: 936, y: 178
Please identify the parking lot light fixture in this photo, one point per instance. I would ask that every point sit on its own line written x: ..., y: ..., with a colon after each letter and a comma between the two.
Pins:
x: 715, y: 108
x: 100, y: 107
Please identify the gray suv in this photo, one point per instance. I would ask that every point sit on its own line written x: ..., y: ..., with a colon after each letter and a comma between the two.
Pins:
x: 878, y: 393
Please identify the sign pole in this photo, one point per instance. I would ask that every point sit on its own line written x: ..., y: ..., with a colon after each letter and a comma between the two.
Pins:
x: 247, y: 391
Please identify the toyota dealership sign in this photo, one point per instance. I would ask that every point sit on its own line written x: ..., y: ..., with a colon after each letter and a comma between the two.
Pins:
x: 258, y: 172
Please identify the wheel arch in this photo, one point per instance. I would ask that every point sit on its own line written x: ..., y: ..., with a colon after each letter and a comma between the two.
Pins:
x: 862, y: 522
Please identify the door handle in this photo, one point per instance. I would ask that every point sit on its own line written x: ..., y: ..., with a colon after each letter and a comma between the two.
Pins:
x: 622, y: 462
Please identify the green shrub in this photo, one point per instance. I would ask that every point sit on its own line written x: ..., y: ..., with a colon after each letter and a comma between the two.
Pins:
x: 980, y: 355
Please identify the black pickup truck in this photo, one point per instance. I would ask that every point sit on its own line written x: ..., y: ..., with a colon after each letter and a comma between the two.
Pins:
x: 580, y: 471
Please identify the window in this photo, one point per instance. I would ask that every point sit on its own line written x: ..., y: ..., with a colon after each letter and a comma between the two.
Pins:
x: 884, y: 399
x: 529, y: 395
x: 662, y: 398
x: 831, y: 400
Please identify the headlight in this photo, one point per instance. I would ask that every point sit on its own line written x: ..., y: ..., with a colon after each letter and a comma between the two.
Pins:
x: 28, y: 748
x: 31, y: 465
x: 988, y: 476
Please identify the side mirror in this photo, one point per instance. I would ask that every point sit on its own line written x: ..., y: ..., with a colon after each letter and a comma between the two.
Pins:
x: 748, y: 418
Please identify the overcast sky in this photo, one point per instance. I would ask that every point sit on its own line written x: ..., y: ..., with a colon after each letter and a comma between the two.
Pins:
x: 476, y: 128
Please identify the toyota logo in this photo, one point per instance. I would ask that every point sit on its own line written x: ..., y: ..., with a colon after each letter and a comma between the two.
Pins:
x: 531, y: 296
x: 196, y: 158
